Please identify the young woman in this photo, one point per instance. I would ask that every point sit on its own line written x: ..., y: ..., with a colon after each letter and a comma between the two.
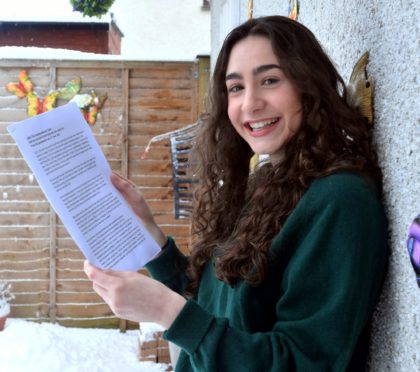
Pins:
x: 288, y: 259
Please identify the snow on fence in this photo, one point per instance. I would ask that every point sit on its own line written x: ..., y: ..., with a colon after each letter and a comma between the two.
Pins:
x: 36, y: 253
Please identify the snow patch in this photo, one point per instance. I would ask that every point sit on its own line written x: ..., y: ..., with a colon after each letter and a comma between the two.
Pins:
x: 39, y: 347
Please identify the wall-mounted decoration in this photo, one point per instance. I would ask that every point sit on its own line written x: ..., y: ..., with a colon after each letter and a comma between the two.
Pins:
x: 294, y: 9
x: 413, y: 247
x: 250, y: 8
x: 89, y: 103
x: 360, y: 89
x: 22, y: 87
x: 181, y: 141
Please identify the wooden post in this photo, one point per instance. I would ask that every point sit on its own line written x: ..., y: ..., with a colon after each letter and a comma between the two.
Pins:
x: 52, y: 307
x: 203, y: 67
x: 124, y: 124
x: 124, y: 145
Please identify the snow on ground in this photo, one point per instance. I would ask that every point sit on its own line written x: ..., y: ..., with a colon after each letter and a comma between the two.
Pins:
x: 41, y: 347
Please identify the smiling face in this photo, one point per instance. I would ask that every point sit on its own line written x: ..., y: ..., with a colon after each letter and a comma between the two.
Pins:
x: 263, y: 105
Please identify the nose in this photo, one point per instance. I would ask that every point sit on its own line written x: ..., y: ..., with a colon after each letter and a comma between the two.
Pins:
x: 252, y: 100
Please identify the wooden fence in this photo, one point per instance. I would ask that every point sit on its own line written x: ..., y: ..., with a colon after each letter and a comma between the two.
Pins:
x: 36, y: 253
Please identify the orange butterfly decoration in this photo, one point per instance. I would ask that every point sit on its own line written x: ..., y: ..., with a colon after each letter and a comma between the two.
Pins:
x: 89, y: 104
x: 24, y: 88
x: 38, y: 105
x: 91, y: 112
x: 21, y: 88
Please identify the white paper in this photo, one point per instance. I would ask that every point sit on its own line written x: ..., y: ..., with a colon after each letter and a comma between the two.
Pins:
x: 73, y: 173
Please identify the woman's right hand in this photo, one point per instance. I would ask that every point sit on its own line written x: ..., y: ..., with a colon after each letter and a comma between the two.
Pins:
x: 139, y: 205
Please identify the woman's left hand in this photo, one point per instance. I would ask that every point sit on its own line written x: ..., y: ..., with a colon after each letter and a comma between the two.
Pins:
x: 135, y: 296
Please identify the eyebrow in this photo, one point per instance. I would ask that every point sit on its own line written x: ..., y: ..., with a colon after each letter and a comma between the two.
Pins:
x: 255, y: 71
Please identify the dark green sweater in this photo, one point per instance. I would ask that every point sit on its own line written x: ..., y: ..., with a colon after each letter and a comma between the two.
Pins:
x: 311, y: 312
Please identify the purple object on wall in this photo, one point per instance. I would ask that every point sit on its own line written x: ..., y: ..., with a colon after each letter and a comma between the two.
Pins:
x: 413, y: 246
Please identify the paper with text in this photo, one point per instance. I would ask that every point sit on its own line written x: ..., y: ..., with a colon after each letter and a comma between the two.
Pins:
x: 73, y: 173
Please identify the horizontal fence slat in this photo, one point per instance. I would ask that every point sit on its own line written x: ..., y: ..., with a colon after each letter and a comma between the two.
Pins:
x: 24, y: 219
x: 29, y: 311
x: 25, y: 246
x: 24, y: 232
x: 13, y: 274
x: 39, y: 206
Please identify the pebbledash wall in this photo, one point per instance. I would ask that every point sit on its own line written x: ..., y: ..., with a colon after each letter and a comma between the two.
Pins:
x: 389, y: 30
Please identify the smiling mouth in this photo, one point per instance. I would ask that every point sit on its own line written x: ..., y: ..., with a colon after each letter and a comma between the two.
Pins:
x: 259, y: 125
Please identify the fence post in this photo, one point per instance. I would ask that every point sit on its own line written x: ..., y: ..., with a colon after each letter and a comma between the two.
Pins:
x: 124, y: 145
x: 52, y: 307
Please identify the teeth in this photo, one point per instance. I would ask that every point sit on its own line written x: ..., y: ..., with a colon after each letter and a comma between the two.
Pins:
x: 262, y: 124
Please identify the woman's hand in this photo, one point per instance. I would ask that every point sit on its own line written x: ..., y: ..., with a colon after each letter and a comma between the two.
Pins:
x: 135, y: 296
x: 139, y: 205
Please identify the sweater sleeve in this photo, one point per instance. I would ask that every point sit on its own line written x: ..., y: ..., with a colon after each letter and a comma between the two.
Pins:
x: 337, y: 242
x: 169, y: 267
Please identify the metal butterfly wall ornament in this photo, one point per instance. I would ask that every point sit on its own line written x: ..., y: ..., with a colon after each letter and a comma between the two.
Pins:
x: 360, y: 89
x: 89, y: 103
x: 413, y: 246
x: 36, y: 104
x: 22, y: 87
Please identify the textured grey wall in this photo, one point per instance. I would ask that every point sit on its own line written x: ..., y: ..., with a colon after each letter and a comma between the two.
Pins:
x: 389, y: 30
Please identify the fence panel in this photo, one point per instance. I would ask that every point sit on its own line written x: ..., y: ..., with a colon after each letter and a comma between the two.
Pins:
x: 37, y: 255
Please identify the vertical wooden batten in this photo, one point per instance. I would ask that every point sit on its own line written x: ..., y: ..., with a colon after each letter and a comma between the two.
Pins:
x: 203, y: 67
x: 125, y: 75
x: 52, y: 306
x: 194, y: 88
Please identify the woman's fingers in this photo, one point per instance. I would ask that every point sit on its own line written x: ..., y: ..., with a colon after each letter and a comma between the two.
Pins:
x: 134, y: 296
x: 140, y: 207
x: 106, y: 283
x: 103, y: 277
x: 132, y: 196
x: 125, y: 187
x: 96, y: 276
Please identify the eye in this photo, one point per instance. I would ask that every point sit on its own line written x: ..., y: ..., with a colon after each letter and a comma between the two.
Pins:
x: 270, y: 81
x: 235, y: 88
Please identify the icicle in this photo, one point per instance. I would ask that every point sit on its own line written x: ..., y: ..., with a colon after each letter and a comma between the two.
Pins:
x: 167, y: 135
x: 5, y: 195
x: 31, y: 178
x: 17, y: 188
x: 143, y: 156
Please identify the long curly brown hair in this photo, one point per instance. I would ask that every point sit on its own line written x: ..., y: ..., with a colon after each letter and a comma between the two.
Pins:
x: 237, y: 212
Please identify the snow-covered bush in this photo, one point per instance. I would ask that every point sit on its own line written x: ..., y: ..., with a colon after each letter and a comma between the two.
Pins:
x: 5, y: 297
x: 92, y: 8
